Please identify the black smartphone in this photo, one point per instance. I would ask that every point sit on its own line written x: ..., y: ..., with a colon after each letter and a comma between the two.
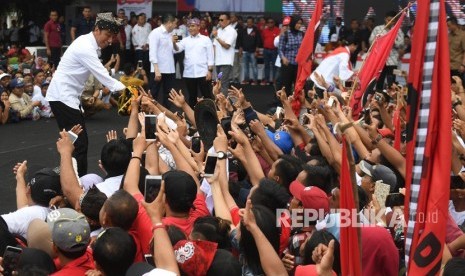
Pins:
x: 305, y: 120
x: 152, y: 187
x: 210, y: 164
x: 10, y: 260
x: 139, y: 64
x: 367, y: 117
x: 226, y: 125
x: 196, y: 146
x: 150, y: 127
x: 149, y: 259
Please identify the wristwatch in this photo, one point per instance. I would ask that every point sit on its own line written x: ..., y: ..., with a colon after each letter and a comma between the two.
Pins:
x: 221, y: 155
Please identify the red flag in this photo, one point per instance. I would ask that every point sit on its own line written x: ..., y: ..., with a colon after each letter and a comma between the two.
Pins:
x: 304, y: 55
x: 349, y: 243
x: 428, y: 159
x: 373, y: 65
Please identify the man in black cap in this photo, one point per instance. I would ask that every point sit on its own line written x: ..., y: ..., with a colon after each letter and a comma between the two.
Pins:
x: 79, y: 61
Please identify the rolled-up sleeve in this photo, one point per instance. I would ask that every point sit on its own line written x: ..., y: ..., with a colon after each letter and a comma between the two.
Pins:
x: 90, y: 60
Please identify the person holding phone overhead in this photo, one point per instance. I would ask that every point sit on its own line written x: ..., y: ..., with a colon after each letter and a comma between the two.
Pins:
x: 198, y: 62
x: 79, y: 61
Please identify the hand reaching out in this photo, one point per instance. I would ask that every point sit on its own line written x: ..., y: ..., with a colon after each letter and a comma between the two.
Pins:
x: 20, y: 169
x: 111, y: 135
x: 64, y: 144
x: 76, y: 129
x: 177, y: 98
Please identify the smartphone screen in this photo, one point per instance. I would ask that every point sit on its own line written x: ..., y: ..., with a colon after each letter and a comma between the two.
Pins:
x: 220, y: 75
x: 152, y: 187
x: 139, y: 64
x: 150, y: 127
x: 72, y: 136
x: 210, y: 165
x: 226, y: 125
x: 196, y: 144
x: 10, y: 260
x: 149, y: 259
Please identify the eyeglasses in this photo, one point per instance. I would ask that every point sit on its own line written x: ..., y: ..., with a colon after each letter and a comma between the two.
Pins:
x: 221, y: 20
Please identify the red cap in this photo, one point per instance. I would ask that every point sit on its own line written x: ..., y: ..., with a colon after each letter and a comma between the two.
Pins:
x: 311, y: 197
x: 385, y: 132
x: 287, y: 20
x: 195, y: 257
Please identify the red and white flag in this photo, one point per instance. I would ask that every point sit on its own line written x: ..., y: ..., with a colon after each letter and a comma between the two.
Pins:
x: 429, y: 144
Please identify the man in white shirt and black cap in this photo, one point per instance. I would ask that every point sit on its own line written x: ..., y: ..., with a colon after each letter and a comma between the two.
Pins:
x: 198, y: 62
x: 79, y: 61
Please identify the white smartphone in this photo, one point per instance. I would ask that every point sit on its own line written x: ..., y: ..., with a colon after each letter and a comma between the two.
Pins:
x: 279, y: 112
x: 331, y: 101
x: 150, y: 127
x: 152, y: 187
x: 72, y: 136
x: 210, y: 164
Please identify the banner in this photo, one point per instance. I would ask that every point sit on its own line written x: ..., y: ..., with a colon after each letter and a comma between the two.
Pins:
x: 372, y: 67
x: 429, y: 147
x: 221, y: 5
x: 136, y: 6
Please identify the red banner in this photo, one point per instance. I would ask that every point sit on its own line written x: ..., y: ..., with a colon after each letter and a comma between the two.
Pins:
x: 372, y: 66
x: 428, y: 157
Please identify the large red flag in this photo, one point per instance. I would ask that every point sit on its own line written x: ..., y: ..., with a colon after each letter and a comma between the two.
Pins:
x: 428, y: 141
x: 304, y: 55
x: 373, y: 65
x: 350, y: 249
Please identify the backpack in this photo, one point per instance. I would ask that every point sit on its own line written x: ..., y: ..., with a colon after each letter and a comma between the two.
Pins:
x: 124, y: 100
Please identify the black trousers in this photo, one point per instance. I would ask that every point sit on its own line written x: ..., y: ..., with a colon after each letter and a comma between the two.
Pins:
x: 66, y: 118
x: 55, y: 56
x: 160, y: 89
x: 179, y: 58
x: 194, y: 85
x: 387, y: 73
x: 288, y: 76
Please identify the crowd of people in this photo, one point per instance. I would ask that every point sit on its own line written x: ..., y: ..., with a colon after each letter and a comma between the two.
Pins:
x: 236, y: 187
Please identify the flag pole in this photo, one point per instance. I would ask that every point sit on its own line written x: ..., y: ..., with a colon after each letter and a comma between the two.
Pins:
x: 356, y: 80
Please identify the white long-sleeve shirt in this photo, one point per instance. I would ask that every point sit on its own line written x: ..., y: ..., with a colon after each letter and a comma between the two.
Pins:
x: 79, y: 61
x: 140, y: 35
x: 198, y: 55
x: 128, y: 31
x: 336, y: 64
x: 161, y: 50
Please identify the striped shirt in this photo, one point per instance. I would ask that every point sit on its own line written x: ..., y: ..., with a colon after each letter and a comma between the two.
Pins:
x: 289, y: 44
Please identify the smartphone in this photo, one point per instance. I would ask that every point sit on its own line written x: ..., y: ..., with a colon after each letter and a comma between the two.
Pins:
x: 179, y: 37
x: 348, y: 83
x: 196, y: 146
x: 232, y: 100
x: 139, y: 64
x: 330, y: 102
x: 210, y: 164
x: 220, y: 75
x: 306, y: 120
x: 72, y: 136
x: 149, y: 259
x: 10, y: 260
x: 397, y: 72
x: 226, y: 125
x: 152, y: 187
x: 150, y: 127
x: 279, y: 112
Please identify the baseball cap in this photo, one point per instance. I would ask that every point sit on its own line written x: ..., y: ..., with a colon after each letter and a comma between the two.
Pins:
x: 45, y: 185
x: 286, y: 20
x: 4, y: 75
x: 311, y: 197
x: 282, y: 139
x: 70, y: 229
x: 379, y: 172
x: 180, y: 189
x: 386, y: 132
x: 195, y: 257
x: 16, y: 83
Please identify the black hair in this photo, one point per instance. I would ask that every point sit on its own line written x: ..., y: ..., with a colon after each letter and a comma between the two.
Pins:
x: 318, y: 176
x: 92, y: 203
x: 141, y: 14
x: 250, y: 17
x: 114, y: 251
x: 454, y: 266
x: 271, y: 195
x: 266, y: 221
x: 227, y: 15
x: 168, y: 18
x: 87, y: 7
x: 128, y: 69
x: 73, y: 255
x: 180, y: 191
x: 122, y: 209
x: 362, y: 198
x: 456, y: 182
x: 175, y: 234
x: 143, y: 172
x: 213, y: 229
x: 390, y: 14
x: 287, y: 168
x: 33, y: 271
x: 224, y: 264
x: 452, y: 20
x: 115, y: 157
x: 324, y: 237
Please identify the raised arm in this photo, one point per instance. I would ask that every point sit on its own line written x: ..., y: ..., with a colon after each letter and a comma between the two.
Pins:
x: 20, y: 171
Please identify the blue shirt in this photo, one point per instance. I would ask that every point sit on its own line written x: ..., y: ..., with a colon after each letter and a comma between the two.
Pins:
x: 83, y: 26
x: 289, y: 44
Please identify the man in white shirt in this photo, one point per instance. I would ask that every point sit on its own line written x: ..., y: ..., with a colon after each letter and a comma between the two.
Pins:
x: 140, y: 35
x: 128, y: 30
x: 198, y: 62
x: 224, y: 42
x: 44, y: 110
x: 79, y: 61
x: 161, y: 55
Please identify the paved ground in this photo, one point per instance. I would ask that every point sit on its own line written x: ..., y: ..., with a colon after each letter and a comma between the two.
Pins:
x: 36, y: 142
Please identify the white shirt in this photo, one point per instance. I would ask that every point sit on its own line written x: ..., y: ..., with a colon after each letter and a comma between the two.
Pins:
x: 79, y: 61
x: 110, y: 185
x: 37, y: 90
x: 159, y: 272
x: 45, y: 110
x: 278, y: 59
x: 198, y: 55
x: 140, y: 35
x: 128, y: 31
x: 459, y: 217
x: 334, y: 65
x: 19, y: 220
x: 225, y: 56
x: 181, y: 31
x: 161, y: 50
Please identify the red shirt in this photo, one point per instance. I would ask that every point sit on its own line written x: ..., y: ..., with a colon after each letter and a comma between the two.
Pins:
x: 54, y: 33
x: 204, y: 32
x: 141, y: 230
x: 186, y: 224
x: 268, y: 36
x: 77, y: 267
